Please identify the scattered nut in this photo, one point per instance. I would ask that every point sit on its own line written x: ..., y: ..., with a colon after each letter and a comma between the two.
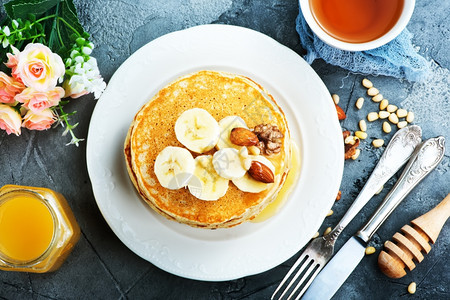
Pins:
x: 386, y: 127
x: 361, y: 134
x: 372, y: 116
x: 377, y: 98
x: 372, y: 91
x: 362, y: 125
x: 335, y: 98
x: 359, y: 102
x: 370, y: 250
x: 261, y: 172
x: 383, y: 104
x: 340, y: 112
x: 402, y: 124
x: 356, y: 155
x: 330, y: 213
x: 349, y: 140
x: 243, y: 137
x: 393, y: 118
x: 367, y: 83
x: 269, y: 138
x: 383, y: 114
x: 410, y: 117
x: 315, y: 235
x: 401, y: 113
x: 350, y: 149
x: 377, y: 143
x: 339, y: 195
x: 327, y: 231
x: 391, y: 108
x: 412, y: 287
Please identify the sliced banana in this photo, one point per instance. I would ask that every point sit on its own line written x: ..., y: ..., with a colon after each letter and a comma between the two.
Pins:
x: 247, y: 183
x: 206, y: 184
x: 228, y: 163
x: 226, y: 125
x: 174, y: 167
x: 197, y: 130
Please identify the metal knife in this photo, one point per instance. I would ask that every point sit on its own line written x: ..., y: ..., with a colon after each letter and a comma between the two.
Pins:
x: 424, y: 159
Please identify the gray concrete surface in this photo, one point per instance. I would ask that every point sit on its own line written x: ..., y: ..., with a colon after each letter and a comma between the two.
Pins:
x: 101, y: 267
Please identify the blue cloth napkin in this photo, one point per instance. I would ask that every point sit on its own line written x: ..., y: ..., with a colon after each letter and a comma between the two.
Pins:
x: 397, y: 58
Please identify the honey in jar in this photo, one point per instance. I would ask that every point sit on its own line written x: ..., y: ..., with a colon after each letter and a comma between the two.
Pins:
x: 37, y: 229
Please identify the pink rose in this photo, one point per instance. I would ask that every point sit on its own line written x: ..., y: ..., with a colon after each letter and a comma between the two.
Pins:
x: 9, y: 87
x: 38, y: 101
x: 40, y: 120
x: 36, y: 66
x: 10, y: 119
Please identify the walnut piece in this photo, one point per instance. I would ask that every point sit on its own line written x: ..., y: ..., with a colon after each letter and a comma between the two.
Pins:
x: 269, y: 138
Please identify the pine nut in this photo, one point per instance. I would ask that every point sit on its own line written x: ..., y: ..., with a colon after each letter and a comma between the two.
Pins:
x: 383, y: 104
x: 378, y: 143
x: 372, y: 91
x: 254, y: 150
x: 349, y: 140
x: 356, y: 155
x: 370, y: 250
x: 367, y: 83
x: 359, y: 103
x: 410, y: 117
x: 402, y: 124
x: 372, y: 116
x: 412, y: 288
x: 363, y: 125
x: 330, y: 213
x: 393, y: 118
x: 361, y: 134
x: 383, y: 114
x: 391, y: 108
x: 335, y: 98
x: 377, y: 98
x: 327, y: 231
x: 315, y: 235
x: 379, y: 191
x: 386, y: 127
x: 401, y: 113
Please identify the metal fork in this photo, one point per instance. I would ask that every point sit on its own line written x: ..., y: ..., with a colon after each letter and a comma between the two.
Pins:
x: 321, y: 249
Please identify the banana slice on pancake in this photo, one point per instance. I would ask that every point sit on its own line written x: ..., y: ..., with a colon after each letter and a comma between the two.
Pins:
x: 246, y: 183
x: 228, y: 163
x: 206, y: 184
x: 226, y: 125
x: 174, y: 167
x: 197, y: 130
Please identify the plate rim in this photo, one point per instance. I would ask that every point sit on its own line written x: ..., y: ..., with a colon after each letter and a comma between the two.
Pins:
x: 89, y: 153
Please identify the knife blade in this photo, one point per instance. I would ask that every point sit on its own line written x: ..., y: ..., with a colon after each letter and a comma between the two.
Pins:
x: 337, y: 270
x: 424, y: 159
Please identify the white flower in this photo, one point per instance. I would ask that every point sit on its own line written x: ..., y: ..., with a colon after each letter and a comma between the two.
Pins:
x: 86, y: 79
x: 6, y: 31
x: 16, y: 24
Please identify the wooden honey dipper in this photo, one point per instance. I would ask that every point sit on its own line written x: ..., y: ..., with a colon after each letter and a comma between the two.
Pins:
x: 415, y: 239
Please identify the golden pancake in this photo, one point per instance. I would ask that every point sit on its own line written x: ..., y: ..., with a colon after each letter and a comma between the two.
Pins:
x: 221, y: 94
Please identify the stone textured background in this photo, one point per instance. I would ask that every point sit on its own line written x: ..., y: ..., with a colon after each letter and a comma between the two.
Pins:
x: 101, y: 267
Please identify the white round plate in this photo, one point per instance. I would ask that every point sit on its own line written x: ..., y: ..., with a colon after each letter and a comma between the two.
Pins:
x: 250, y: 248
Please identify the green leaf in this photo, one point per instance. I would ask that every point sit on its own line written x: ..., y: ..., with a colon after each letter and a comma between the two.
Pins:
x: 21, y: 8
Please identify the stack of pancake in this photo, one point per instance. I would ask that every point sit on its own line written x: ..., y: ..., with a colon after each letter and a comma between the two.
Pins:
x: 221, y: 94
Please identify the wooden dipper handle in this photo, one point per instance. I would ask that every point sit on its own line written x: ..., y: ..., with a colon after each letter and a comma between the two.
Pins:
x: 408, y: 246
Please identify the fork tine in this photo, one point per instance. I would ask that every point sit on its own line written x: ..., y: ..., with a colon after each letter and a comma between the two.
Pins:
x: 304, y: 267
x: 300, y: 260
x: 305, y: 287
x: 303, y: 258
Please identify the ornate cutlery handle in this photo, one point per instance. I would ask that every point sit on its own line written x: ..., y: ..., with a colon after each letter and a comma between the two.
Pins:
x: 424, y: 159
x: 396, y: 154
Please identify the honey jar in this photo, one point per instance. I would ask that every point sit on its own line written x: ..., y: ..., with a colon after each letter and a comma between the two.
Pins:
x: 37, y: 229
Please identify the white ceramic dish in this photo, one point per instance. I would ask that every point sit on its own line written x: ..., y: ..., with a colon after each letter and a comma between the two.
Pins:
x: 405, y: 16
x: 250, y: 248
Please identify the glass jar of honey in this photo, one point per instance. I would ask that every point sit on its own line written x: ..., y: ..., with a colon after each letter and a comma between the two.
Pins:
x: 37, y: 229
